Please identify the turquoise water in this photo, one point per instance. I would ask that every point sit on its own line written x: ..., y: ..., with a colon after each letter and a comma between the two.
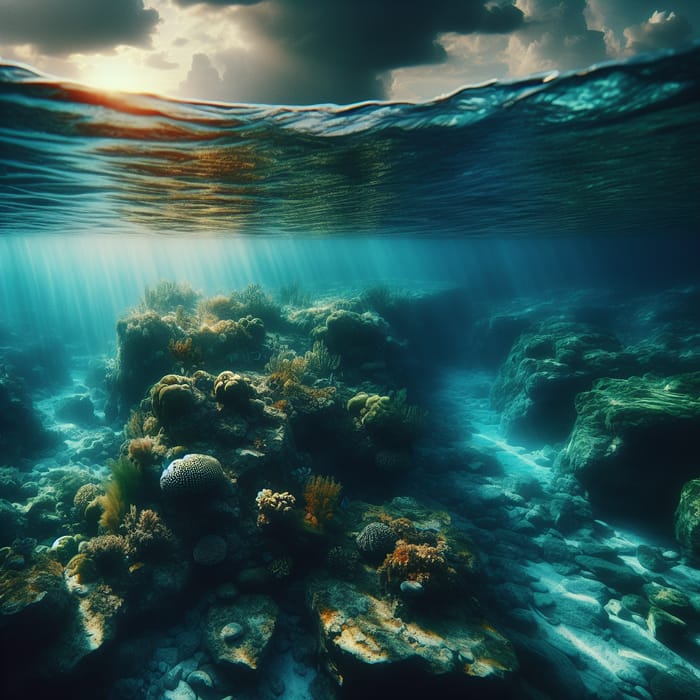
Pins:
x: 506, y: 247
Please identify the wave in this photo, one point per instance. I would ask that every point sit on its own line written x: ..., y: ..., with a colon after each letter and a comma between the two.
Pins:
x: 612, y: 149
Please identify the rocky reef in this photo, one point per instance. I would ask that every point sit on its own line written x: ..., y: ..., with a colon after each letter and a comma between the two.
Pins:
x: 287, y: 497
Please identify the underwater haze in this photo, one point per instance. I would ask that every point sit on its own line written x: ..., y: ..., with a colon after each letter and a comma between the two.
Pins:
x: 316, y: 402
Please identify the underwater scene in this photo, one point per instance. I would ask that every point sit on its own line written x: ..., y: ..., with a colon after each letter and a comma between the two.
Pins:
x: 336, y: 402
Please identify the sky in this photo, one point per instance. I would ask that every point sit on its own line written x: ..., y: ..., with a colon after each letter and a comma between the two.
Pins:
x: 337, y: 51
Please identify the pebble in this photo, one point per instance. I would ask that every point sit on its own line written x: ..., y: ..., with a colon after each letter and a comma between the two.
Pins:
x: 411, y: 588
x: 231, y: 632
x: 181, y: 692
x: 172, y: 677
x: 200, y: 680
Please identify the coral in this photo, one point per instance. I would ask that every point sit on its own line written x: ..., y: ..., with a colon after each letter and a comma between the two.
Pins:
x: 273, y: 506
x: 232, y: 391
x: 191, y: 475
x: 223, y: 340
x: 292, y: 295
x: 252, y: 301
x: 147, y: 536
x: 287, y: 368
x: 421, y: 563
x: 280, y: 567
x: 321, y: 497
x: 255, y: 302
x: 185, y: 353
x: 124, y: 488
x: 172, y: 398
x: 142, y: 356
x: 357, y: 338
x: 319, y: 362
x: 83, y: 567
x: 168, y: 296
x: 375, y: 541
x: 84, y: 496
x: 134, y: 427
x: 389, y: 420
x: 144, y: 451
x: 109, y: 554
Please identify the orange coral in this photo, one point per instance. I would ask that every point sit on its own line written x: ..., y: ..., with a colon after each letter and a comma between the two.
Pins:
x: 184, y: 352
x: 321, y: 497
x: 418, y: 562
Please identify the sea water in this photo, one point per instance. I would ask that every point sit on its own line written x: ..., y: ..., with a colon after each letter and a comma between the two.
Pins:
x: 562, y: 206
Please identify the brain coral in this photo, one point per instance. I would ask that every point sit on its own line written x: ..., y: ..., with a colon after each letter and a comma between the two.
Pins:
x: 376, y: 540
x: 193, y: 474
x: 232, y: 390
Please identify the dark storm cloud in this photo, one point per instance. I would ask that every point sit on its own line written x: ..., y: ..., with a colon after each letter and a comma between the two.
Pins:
x: 62, y: 27
x: 342, y: 51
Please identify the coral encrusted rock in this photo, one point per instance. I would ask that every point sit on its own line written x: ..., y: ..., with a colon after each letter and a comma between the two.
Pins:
x: 364, y: 637
x: 191, y: 475
x: 238, y: 634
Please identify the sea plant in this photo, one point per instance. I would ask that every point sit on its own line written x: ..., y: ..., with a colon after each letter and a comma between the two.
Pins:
x: 124, y: 488
x: 321, y: 499
x: 168, y: 296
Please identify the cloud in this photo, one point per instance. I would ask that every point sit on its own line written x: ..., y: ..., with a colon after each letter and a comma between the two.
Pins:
x: 555, y: 35
x: 662, y: 30
x: 63, y: 27
x: 160, y: 61
x: 626, y: 23
x: 203, y: 81
x: 305, y: 51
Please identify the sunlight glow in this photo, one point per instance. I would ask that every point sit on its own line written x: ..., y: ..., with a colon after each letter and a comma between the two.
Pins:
x: 119, y: 72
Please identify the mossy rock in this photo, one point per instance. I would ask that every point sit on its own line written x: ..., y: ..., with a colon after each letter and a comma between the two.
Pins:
x: 634, y: 443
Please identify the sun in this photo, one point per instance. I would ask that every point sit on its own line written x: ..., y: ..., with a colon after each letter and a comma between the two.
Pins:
x: 124, y: 71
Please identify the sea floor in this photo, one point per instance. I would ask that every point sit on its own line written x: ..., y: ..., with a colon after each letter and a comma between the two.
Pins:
x: 550, y: 567
x: 550, y: 591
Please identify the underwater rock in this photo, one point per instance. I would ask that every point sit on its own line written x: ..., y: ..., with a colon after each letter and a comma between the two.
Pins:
x: 142, y: 356
x: 687, y: 519
x: 361, y: 632
x: 77, y: 409
x: 12, y: 521
x: 617, y: 575
x: 653, y: 558
x: 664, y: 626
x: 634, y: 442
x: 256, y: 615
x: 356, y: 338
x: 673, y: 683
x: 209, y: 550
x: 545, y: 370
x: 22, y: 433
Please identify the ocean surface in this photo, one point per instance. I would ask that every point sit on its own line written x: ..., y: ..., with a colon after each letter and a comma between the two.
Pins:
x: 492, y: 257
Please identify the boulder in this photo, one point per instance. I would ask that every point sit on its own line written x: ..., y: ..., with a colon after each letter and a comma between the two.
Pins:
x: 687, y: 519
x: 367, y: 635
x: 238, y: 634
x: 634, y: 443
x: 545, y: 370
